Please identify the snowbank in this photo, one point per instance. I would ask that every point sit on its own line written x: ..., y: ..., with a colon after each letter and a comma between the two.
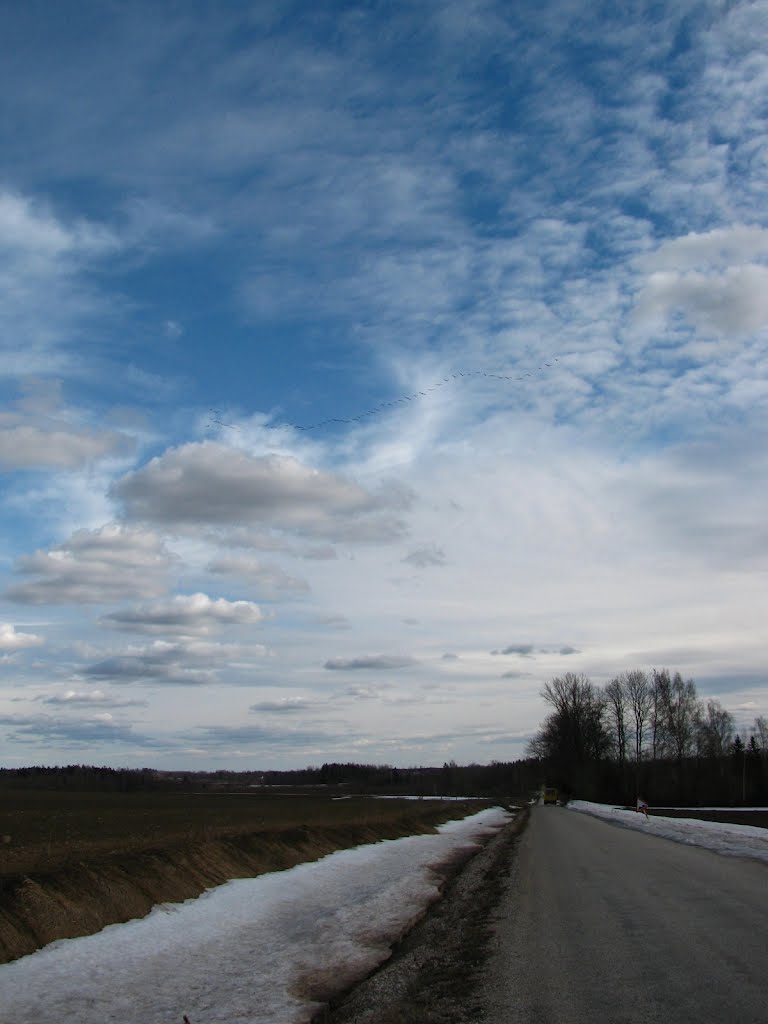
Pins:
x: 731, y: 840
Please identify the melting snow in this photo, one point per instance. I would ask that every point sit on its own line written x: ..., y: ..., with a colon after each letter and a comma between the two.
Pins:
x: 732, y: 840
x: 253, y: 951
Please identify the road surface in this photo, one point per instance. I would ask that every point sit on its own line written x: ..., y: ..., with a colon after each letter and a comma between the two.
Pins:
x: 604, y: 925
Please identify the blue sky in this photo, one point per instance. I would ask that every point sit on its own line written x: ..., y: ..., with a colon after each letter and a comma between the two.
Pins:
x: 517, y: 254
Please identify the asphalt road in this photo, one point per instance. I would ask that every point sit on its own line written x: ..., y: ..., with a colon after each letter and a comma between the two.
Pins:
x: 604, y: 925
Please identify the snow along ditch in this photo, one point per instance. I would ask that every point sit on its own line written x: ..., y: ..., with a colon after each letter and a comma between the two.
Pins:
x: 253, y: 951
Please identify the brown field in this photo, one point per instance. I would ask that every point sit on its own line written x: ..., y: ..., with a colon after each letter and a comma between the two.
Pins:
x: 50, y: 828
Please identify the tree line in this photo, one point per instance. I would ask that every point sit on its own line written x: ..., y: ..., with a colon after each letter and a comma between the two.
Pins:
x: 497, y: 779
x: 650, y: 735
x: 81, y: 777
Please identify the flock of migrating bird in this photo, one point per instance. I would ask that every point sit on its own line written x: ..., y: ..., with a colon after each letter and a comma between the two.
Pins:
x: 216, y: 421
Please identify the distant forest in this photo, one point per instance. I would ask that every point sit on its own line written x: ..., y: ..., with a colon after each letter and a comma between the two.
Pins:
x: 498, y: 780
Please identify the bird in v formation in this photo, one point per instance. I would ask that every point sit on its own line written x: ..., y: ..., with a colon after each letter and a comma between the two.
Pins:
x: 374, y: 410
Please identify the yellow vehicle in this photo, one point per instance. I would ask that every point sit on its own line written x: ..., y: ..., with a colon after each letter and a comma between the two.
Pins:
x: 550, y: 795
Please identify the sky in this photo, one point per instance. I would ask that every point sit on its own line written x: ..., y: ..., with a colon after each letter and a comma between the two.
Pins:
x: 365, y: 366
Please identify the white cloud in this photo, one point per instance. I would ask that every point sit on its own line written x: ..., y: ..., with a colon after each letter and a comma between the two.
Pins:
x: 258, y: 538
x: 717, y: 280
x: 270, y: 579
x: 708, y: 250
x: 320, y: 553
x: 286, y: 705
x: 43, y: 261
x: 266, y: 740
x: 95, y: 566
x: 185, y: 662
x: 426, y: 555
x: 521, y: 650
x: 24, y: 446
x: 186, y: 614
x: 209, y: 484
x: 377, y: 662
x: 366, y: 693
x: 332, y: 621
x: 11, y: 640
x: 734, y: 302
x: 29, y: 229
x: 73, y: 698
x: 172, y: 329
x: 703, y: 499
x: 150, y: 222
x: 48, y: 731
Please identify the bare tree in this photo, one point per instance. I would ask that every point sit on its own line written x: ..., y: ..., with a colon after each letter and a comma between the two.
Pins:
x: 640, y: 696
x: 761, y: 734
x: 683, y: 713
x: 674, y: 716
x: 575, y: 732
x: 661, y: 686
x: 716, y: 730
x: 617, y: 701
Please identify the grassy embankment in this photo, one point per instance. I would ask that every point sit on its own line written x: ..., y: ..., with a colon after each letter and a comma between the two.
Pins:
x: 77, y: 861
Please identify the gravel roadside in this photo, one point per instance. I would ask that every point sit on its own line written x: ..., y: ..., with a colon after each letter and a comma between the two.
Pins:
x: 433, y: 973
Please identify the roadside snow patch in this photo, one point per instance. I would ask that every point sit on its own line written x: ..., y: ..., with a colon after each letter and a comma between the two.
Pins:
x: 731, y: 840
x: 253, y: 951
